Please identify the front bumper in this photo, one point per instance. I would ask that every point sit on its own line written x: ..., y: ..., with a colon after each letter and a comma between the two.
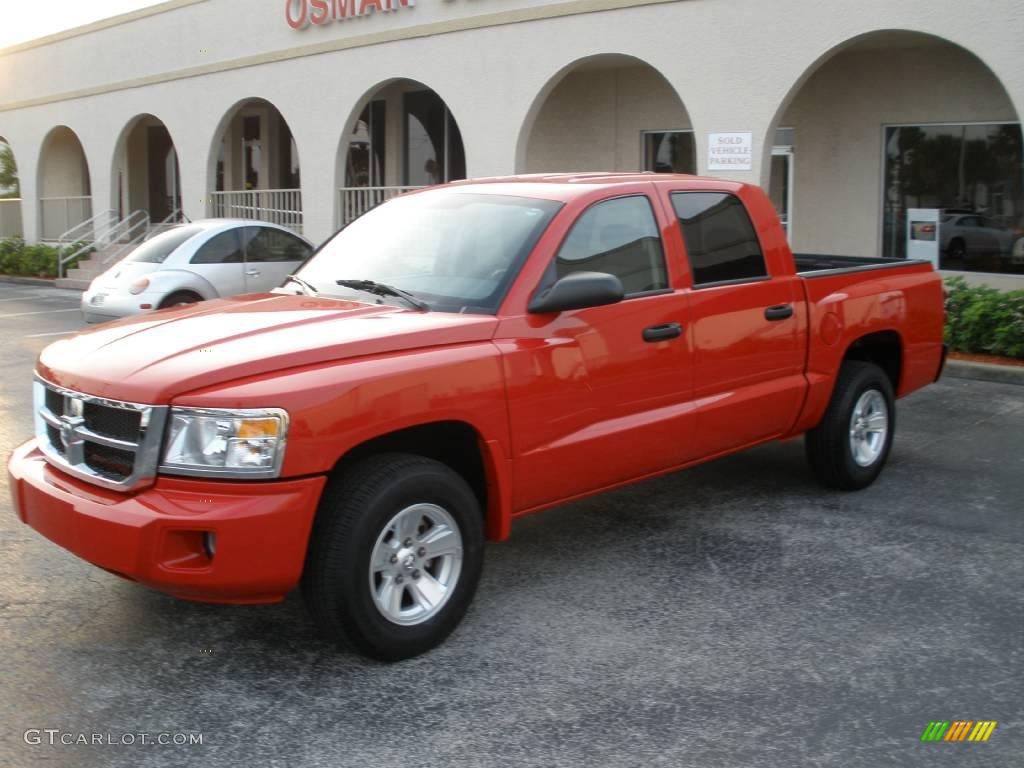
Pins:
x: 156, y: 537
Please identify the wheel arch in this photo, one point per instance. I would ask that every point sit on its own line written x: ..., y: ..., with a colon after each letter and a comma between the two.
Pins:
x: 458, y: 445
x: 883, y: 348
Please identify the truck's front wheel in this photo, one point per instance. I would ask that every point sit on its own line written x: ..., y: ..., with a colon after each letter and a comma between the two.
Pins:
x: 395, y: 555
x: 848, y: 449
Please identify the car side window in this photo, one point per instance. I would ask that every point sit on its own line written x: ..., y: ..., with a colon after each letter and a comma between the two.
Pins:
x: 619, y: 237
x: 225, y: 248
x: 266, y: 244
x: 720, y: 239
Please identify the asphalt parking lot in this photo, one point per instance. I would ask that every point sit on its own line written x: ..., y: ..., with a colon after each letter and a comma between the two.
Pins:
x: 731, y: 615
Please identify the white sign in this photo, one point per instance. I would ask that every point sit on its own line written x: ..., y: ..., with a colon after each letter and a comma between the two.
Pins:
x: 730, y: 151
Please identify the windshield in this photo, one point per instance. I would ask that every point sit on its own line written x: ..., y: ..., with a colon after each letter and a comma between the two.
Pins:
x: 157, y: 249
x: 455, y: 251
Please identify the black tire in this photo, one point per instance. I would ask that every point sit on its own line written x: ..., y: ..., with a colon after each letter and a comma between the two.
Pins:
x: 828, y: 445
x: 179, y: 298
x: 958, y: 251
x: 355, y: 509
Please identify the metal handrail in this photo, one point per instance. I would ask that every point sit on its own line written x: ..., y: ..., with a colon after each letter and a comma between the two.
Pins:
x: 173, y: 219
x: 72, y: 236
x: 113, y: 233
x: 127, y: 227
x: 280, y: 206
x: 353, y: 202
x: 89, y: 225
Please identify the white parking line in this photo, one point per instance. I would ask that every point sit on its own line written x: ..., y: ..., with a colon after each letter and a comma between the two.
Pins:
x: 29, y: 299
x: 44, y: 335
x: 48, y: 312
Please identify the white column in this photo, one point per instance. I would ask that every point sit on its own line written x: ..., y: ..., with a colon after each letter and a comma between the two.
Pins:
x: 195, y: 186
x: 28, y: 164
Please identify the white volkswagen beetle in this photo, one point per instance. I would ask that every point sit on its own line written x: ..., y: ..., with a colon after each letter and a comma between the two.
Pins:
x: 193, y: 262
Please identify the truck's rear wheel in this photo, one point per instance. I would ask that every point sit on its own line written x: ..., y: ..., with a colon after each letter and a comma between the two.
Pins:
x: 395, y: 555
x: 848, y: 449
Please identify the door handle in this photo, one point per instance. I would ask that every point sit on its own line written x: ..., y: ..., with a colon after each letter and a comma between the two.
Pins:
x: 778, y: 312
x: 663, y: 332
x: 253, y: 273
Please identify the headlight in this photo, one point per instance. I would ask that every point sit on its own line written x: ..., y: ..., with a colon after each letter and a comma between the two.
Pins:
x: 245, y: 443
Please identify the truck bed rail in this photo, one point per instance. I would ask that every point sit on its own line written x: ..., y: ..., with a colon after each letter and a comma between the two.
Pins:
x: 812, y: 265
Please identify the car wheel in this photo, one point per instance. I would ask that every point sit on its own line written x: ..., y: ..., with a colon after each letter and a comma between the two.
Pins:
x: 180, y: 298
x: 958, y: 251
x: 850, y: 445
x: 394, y: 556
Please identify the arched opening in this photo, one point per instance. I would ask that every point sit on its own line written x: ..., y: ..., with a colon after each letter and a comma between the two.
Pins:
x: 400, y: 137
x: 10, y: 193
x: 896, y: 122
x: 65, y: 191
x: 254, y: 167
x: 146, y: 181
x: 608, y: 113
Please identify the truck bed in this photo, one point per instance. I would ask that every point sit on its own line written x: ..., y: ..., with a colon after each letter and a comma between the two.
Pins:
x: 818, y: 265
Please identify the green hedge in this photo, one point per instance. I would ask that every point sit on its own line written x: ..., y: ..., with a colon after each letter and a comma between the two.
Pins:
x: 19, y: 258
x: 984, y: 320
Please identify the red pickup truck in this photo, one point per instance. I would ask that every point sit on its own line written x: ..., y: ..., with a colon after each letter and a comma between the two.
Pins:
x: 453, y: 360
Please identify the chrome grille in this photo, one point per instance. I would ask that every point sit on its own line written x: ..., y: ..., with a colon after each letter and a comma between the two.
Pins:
x: 111, y: 443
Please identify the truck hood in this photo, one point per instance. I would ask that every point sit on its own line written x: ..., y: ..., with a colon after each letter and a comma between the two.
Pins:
x: 154, y: 357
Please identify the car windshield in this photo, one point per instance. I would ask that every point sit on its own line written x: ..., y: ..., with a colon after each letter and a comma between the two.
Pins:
x: 157, y: 249
x: 454, y: 251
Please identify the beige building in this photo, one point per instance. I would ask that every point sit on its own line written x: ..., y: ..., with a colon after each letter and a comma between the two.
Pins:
x: 307, y: 112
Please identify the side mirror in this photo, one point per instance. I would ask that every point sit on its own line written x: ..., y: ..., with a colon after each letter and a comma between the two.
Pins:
x: 578, y: 291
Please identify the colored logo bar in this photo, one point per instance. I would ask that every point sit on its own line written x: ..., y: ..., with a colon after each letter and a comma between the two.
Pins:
x: 958, y: 730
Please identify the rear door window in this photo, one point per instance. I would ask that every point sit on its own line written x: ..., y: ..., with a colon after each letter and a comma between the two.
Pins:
x: 720, y: 239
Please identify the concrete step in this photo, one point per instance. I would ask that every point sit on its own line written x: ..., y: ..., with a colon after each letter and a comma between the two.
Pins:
x: 84, y: 274
x: 73, y: 283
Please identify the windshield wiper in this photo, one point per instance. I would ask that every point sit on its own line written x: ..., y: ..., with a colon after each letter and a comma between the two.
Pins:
x: 383, y: 289
x: 309, y: 288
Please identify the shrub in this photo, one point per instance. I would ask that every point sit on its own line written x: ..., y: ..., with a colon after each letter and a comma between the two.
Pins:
x: 19, y: 258
x: 984, y: 320
x: 9, y: 250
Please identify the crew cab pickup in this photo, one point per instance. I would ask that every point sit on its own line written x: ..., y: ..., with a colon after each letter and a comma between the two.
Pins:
x: 451, y: 361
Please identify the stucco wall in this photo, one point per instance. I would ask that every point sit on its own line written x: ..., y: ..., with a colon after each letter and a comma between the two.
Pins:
x: 593, y: 119
x: 734, y: 64
x: 838, y: 119
x: 10, y: 218
x: 63, y: 171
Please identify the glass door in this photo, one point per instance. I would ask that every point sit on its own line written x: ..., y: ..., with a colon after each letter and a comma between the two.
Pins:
x: 780, y: 186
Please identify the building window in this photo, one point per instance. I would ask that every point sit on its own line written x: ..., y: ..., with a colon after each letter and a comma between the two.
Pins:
x: 366, y: 148
x: 252, y: 150
x: 972, y: 173
x: 433, y: 144
x: 288, y: 154
x: 669, y: 152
